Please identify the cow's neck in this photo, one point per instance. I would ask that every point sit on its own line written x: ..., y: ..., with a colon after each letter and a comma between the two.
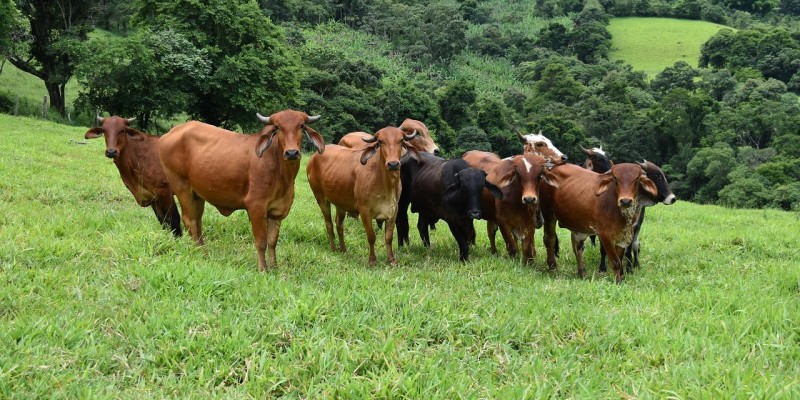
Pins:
x: 282, y: 167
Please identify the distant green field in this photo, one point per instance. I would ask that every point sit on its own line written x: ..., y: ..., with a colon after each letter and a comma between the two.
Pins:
x: 652, y: 44
x: 96, y: 301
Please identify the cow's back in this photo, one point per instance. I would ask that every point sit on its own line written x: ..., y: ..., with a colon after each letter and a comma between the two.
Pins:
x: 333, y: 174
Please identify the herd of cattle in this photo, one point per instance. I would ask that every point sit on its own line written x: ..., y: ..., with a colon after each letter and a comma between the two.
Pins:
x: 377, y: 176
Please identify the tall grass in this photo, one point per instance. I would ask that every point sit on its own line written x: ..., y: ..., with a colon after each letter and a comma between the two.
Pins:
x: 97, y: 301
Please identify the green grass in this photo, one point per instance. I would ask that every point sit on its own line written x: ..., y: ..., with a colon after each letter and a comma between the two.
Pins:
x: 652, y: 44
x: 97, y: 301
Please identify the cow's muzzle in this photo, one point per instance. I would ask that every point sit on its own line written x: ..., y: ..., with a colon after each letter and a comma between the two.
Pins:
x: 393, y: 165
x: 530, y: 200
x: 291, y: 154
x: 436, y: 152
x: 112, y: 153
x: 475, y: 214
x: 671, y: 199
x: 625, y: 202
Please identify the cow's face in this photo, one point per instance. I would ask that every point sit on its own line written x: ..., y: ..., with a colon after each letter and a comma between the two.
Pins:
x: 423, y: 140
x: 116, y: 132
x: 390, y: 142
x: 597, y: 160
x: 540, y: 145
x: 655, y: 174
x: 468, y: 190
x: 626, y: 179
x: 288, y: 127
x: 527, y: 171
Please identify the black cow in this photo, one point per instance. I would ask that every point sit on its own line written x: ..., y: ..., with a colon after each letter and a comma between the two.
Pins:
x: 448, y: 190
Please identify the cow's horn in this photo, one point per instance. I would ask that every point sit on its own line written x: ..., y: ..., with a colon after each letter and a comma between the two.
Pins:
x: 263, y: 118
x: 130, y: 119
x: 643, y: 164
x: 519, y: 135
x: 372, y: 139
x: 410, y: 136
x: 99, y: 118
x: 314, y: 118
x: 589, y: 152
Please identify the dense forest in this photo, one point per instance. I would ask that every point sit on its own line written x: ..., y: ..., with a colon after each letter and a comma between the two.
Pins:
x: 472, y: 70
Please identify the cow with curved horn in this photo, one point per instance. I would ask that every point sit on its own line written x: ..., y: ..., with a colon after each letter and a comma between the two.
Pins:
x: 345, y: 178
x: 233, y: 171
x: 540, y: 145
x: 135, y: 155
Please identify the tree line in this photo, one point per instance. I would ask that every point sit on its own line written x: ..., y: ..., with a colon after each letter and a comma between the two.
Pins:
x: 725, y: 132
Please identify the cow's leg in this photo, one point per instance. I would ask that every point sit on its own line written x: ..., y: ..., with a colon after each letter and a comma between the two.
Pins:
x: 613, y: 252
x: 528, y: 246
x: 602, y: 257
x: 461, y: 234
x: 366, y: 220
x: 193, y: 208
x: 550, y: 241
x: 167, y: 213
x: 388, y: 235
x: 422, y: 226
x: 401, y: 221
x: 577, y: 247
x: 491, y: 232
x: 273, y: 229
x: 511, y: 241
x: 258, y: 220
x: 325, y: 207
x: 340, y: 216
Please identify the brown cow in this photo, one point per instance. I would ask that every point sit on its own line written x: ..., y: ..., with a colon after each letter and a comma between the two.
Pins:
x: 421, y: 142
x: 587, y: 203
x: 135, y: 154
x: 542, y: 146
x: 233, y: 172
x: 515, y: 214
x: 343, y: 177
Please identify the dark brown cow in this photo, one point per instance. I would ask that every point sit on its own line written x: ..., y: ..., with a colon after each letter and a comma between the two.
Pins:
x: 542, y: 146
x: 587, y: 203
x: 422, y: 141
x: 515, y: 214
x: 238, y: 172
x: 135, y: 154
x: 345, y: 178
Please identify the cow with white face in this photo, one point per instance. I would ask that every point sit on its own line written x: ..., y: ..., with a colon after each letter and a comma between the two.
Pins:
x: 540, y: 145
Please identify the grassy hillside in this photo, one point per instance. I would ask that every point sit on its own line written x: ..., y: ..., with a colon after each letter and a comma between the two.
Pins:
x: 97, y: 301
x: 652, y: 44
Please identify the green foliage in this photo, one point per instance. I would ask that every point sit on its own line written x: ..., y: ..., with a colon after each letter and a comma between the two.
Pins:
x: 456, y: 101
x: 471, y: 138
x: 680, y: 75
x: 145, y: 75
x: 708, y: 171
x: 252, y: 67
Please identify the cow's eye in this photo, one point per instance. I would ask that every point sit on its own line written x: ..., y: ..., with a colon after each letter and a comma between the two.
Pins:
x: 539, y: 144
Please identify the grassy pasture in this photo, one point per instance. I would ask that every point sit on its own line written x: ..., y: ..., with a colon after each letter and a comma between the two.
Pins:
x: 652, y: 44
x: 97, y: 301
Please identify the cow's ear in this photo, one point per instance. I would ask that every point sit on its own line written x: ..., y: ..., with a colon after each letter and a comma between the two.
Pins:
x: 93, y: 133
x: 494, y: 190
x: 369, y: 152
x: 550, y: 178
x: 316, y: 139
x: 451, y: 192
x: 502, y: 174
x: 648, y: 186
x: 606, y: 181
x: 412, y: 151
x: 264, y: 141
x: 133, y: 134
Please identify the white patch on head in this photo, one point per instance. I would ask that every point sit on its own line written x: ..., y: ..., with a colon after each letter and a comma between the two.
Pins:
x: 598, y: 150
x: 509, y: 158
x: 528, y: 165
x: 533, y: 138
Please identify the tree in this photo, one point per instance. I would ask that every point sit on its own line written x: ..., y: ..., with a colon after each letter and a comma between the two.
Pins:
x: 679, y: 75
x: 58, y: 29
x: 146, y: 74
x: 252, y: 67
x: 455, y: 103
x: 708, y: 171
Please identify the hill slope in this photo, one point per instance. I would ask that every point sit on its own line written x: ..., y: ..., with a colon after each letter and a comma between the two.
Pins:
x: 652, y: 44
x: 97, y: 301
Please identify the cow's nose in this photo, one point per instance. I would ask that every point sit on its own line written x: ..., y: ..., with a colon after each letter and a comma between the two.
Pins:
x: 393, y: 165
x: 475, y: 214
x: 564, y: 158
x: 626, y: 202
x: 529, y: 200
x: 112, y: 153
x: 670, y: 199
x: 291, y: 154
x: 436, y: 152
